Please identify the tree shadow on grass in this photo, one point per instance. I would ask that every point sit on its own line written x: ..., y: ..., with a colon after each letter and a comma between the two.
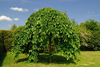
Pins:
x: 2, y: 57
x: 21, y: 60
x: 56, y: 59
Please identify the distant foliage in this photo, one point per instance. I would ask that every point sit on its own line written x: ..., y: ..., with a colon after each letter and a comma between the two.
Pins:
x: 17, y: 30
x: 13, y: 27
x: 94, y: 42
x: 92, y: 25
x: 47, y: 28
x: 88, y: 33
x: 74, y: 22
x: 1, y: 45
x: 83, y: 34
x: 8, y: 41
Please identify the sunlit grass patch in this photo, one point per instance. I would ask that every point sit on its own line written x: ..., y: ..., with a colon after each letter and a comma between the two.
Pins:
x: 86, y: 59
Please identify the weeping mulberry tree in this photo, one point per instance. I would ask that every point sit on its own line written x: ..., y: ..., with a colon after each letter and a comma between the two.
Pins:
x: 47, y: 28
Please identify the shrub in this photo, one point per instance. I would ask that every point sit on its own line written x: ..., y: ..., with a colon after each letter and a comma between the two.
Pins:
x: 94, y: 41
x: 93, y: 27
x: 83, y: 34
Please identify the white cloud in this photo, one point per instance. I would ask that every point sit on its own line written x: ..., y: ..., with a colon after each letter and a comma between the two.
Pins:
x: 24, y: 0
x: 16, y: 19
x: 36, y: 9
x: 5, y: 0
x: 95, y: 15
x: 93, y: 12
x: 88, y: 12
x: 19, y: 9
x: 67, y: 0
x: 5, y: 18
x: 77, y: 15
x: 9, y: 25
x: 30, y: 1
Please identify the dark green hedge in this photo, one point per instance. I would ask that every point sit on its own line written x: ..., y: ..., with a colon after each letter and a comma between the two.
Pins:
x: 8, y: 40
x: 5, y: 40
x: 1, y: 45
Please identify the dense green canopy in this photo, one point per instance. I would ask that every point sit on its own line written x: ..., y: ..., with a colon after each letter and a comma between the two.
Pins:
x: 47, y: 28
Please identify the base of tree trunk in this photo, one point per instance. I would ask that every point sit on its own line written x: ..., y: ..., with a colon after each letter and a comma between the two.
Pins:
x: 50, y: 61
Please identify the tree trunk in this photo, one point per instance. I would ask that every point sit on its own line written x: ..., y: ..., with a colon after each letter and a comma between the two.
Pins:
x: 50, y: 48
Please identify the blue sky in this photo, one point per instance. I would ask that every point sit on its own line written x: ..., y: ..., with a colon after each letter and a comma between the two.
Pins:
x: 18, y: 11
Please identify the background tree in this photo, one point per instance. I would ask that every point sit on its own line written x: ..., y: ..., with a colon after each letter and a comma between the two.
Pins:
x: 18, y: 29
x: 73, y: 22
x: 84, y: 35
x: 65, y: 13
x: 94, y: 41
x: 92, y: 25
x: 99, y: 26
x: 89, y: 35
x: 13, y: 27
x: 47, y: 28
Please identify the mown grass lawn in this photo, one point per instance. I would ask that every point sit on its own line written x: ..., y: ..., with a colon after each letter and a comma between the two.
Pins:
x: 86, y: 59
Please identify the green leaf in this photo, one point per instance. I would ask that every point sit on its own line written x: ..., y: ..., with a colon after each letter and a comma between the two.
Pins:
x: 68, y: 35
x: 30, y: 50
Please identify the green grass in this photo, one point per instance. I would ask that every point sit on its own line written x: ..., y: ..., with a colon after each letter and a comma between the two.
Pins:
x: 86, y: 59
